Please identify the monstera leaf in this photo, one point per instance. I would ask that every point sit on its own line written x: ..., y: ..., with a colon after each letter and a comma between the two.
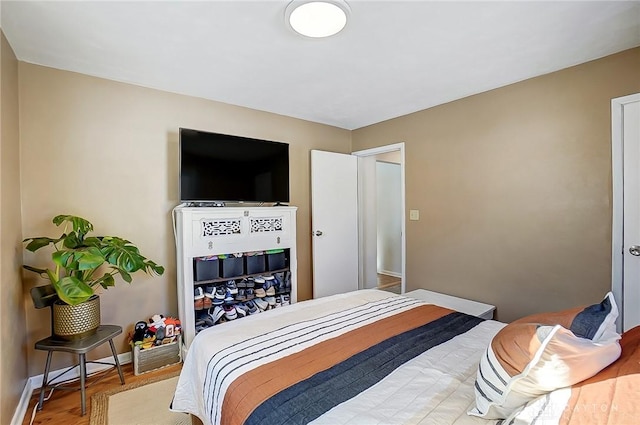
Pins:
x: 70, y: 289
x: 84, y: 263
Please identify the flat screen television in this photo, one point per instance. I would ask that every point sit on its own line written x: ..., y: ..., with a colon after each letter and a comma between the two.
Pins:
x: 223, y: 168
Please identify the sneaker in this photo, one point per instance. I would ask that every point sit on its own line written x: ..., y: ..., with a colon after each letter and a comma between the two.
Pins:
x: 260, y: 293
x: 250, y: 282
x: 200, y: 327
x: 286, y: 300
x: 281, y: 279
x: 216, y: 314
x: 221, y: 292
x: 210, y: 291
x: 269, y: 282
x: 206, y: 303
x: 287, y: 280
x: 278, y: 301
x: 198, y: 294
x: 218, y: 301
x: 271, y: 301
x: 250, y: 293
x: 260, y: 280
x: 242, y: 283
x: 231, y: 287
x: 208, y: 321
x: 228, y: 297
x: 270, y: 290
x: 241, y: 310
x: 252, y: 308
x: 241, y: 295
x: 198, y: 298
x: 230, y: 312
x: 276, y: 283
x: 262, y: 304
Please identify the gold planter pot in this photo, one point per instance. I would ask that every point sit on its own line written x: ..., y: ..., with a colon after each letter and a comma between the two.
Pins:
x: 72, y: 322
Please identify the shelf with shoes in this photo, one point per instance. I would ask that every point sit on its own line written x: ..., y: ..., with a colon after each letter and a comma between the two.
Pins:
x: 233, y: 299
x: 233, y: 262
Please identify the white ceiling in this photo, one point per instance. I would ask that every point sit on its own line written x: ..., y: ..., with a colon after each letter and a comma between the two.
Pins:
x: 393, y: 58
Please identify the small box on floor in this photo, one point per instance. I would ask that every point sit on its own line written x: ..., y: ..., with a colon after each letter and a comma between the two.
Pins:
x: 156, y: 357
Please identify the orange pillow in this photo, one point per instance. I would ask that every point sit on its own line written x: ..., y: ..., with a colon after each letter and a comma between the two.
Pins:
x: 538, y: 354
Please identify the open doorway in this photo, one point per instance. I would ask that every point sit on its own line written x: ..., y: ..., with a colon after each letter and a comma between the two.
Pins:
x: 381, y: 221
x: 389, y: 222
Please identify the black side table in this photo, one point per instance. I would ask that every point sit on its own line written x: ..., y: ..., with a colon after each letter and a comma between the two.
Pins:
x: 81, y: 347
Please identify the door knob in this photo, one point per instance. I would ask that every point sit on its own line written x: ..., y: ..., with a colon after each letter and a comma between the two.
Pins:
x: 319, y: 233
x: 635, y: 250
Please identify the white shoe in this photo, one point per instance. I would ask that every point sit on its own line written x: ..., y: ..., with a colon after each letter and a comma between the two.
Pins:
x: 261, y: 303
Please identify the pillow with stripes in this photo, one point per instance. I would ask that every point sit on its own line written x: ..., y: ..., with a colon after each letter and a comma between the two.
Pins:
x: 543, y: 352
x: 595, y: 322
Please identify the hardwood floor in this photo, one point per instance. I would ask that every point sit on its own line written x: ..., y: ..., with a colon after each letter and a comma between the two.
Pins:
x: 64, y: 406
x: 389, y: 283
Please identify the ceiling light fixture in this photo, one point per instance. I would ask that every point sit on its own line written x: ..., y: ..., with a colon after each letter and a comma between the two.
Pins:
x: 317, y: 19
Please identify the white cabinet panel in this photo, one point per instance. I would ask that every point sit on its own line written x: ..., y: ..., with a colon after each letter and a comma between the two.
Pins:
x: 212, y: 231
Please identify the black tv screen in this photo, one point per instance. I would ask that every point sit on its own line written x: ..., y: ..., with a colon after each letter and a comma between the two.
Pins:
x: 221, y: 167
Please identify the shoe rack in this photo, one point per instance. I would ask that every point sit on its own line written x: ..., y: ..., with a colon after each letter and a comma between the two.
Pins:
x: 230, y: 233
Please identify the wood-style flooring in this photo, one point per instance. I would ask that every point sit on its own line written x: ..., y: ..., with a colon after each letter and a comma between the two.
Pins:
x: 64, y: 406
x: 389, y: 283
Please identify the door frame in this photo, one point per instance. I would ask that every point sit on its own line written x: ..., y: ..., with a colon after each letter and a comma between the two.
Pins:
x: 373, y: 152
x: 617, y: 230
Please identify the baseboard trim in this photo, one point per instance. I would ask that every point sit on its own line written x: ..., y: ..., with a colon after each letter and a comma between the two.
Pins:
x: 23, y: 404
x: 35, y: 382
x: 388, y: 273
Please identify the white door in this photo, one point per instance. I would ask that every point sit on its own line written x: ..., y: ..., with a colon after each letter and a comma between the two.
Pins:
x: 334, y: 211
x: 625, y: 270
x: 631, y: 222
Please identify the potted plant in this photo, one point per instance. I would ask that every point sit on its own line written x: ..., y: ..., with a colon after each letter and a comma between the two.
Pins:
x: 81, y: 265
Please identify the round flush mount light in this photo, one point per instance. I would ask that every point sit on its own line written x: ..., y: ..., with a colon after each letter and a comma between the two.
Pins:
x: 317, y: 19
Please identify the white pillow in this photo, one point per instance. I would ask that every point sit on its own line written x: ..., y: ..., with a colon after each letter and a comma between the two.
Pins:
x: 527, y: 358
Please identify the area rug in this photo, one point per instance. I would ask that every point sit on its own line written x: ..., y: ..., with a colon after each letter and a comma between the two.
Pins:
x: 141, y: 403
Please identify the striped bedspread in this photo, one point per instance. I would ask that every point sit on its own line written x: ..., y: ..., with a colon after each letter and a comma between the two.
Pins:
x: 367, y: 357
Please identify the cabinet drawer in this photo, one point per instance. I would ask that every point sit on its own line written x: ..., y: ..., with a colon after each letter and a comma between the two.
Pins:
x: 238, y: 228
x: 274, y: 227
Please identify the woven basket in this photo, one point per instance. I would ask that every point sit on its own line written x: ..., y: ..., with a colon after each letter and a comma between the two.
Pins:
x: 71, y: 322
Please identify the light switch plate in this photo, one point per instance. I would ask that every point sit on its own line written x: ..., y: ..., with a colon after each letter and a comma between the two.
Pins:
x: 414, y: 214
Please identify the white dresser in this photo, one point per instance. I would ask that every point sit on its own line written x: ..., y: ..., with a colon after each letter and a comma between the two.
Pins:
x: 202, y: 232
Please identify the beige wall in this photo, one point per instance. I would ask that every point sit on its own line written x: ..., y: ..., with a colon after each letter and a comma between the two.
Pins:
x: 13, y: 360
x: 514, y: 188
x: 109, y: 152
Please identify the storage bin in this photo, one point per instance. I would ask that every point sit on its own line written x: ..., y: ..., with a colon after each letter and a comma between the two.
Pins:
x: 206, y: 268
x: 156, y: 357
x: 232, y: 265
x: 254, y: 262
x: 276, y: 260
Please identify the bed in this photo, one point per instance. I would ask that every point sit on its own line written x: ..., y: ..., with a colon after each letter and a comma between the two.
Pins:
x: 365, y: 357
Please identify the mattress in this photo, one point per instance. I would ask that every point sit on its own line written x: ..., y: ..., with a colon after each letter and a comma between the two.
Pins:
x: 365, y: 357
